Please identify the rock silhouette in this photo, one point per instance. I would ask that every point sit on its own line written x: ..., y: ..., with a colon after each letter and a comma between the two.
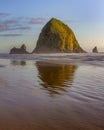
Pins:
x: 56, y: 37
x: 95, y: 50
x: 21, y: 50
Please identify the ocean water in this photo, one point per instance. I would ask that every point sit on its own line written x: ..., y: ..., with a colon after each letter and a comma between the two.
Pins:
x: 41, y: 95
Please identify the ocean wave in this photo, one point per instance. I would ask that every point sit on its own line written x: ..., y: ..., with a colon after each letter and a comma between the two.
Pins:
x: 86, y: 58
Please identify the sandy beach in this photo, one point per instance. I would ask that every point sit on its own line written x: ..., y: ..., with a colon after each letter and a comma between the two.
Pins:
x: 54, y: 91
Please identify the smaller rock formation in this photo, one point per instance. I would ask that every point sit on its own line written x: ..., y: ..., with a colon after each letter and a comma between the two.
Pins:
x: 21, y: 50
x: 95, y: 50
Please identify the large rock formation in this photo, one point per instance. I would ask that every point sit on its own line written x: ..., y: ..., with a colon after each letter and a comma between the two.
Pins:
x: 57, y: 37
x: 21, y: 50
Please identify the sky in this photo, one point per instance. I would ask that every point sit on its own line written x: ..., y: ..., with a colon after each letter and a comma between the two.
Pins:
x: 21, y: 21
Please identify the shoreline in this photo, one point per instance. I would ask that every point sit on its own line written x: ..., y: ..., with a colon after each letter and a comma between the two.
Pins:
x: 59, y: 58
x: 51, y: 93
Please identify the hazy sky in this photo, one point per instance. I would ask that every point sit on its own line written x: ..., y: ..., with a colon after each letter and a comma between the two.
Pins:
x: 21, y: 21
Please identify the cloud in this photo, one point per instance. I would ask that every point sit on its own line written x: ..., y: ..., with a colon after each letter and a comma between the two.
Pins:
x: 11, y: 21
x: 4, y: 28
x: 11, y: 24
x: 9, y: 28
x: 36, y: 20
x: 18, y: 23
x: 4, y: 14
x: 10, y: 35
x: 21, y: 28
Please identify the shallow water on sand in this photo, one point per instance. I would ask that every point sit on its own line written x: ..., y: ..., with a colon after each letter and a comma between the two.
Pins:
x: 46, y: 96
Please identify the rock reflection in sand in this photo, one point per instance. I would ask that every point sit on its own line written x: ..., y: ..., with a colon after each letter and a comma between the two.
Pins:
x: 17, y: 62
x: 55, y: 78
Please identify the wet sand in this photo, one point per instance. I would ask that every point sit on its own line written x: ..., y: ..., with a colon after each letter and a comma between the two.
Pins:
x: 36, y: 95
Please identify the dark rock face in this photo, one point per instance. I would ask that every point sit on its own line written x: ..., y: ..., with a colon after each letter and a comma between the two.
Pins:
x: 56, y: 37
x: 95, y: 50
x: 21, y: 50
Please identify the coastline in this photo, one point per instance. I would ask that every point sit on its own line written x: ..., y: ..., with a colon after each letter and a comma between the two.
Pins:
x: 66, y: 58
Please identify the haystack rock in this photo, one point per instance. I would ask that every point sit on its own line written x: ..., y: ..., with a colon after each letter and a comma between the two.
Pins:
x: 95, y: 50
x: 56, y: 37
x: 21, y: 50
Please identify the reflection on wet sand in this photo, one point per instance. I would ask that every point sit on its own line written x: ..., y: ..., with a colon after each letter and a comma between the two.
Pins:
x: 16, y: 62
x: 55, y: 77
x: 24, y: 106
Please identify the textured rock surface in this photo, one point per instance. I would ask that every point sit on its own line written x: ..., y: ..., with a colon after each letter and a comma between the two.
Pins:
x: 95, y: 50
x: 57, y: 37
x: 21, y: 50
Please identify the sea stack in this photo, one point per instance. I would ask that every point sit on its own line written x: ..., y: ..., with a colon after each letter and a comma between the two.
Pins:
x: 95, y: 50
x: 21, y: 50
x: 56, y: 37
